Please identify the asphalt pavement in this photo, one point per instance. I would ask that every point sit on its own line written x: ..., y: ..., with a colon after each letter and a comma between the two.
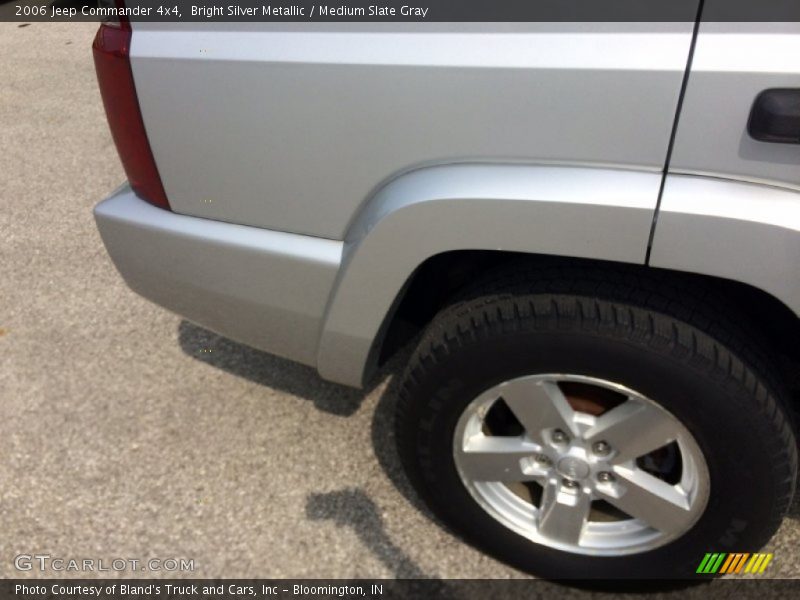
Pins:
x: 128, y: 432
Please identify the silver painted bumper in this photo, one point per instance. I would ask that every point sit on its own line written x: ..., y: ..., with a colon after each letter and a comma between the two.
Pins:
x: 264, y: 288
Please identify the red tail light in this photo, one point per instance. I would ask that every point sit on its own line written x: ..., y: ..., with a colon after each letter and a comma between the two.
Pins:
x: 111, y: 60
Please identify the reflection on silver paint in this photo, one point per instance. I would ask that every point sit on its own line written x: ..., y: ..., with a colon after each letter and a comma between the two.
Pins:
x: 741, y: 231
x: 292, y: 128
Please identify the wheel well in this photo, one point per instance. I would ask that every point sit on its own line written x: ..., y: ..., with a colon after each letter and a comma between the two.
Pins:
x: 435, y: 283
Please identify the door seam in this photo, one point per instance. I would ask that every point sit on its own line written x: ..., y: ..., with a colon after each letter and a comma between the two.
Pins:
x: 673, y: 134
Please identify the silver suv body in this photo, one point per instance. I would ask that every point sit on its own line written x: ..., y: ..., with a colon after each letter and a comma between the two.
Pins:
x: 332, y: 186
x: 312, y: 169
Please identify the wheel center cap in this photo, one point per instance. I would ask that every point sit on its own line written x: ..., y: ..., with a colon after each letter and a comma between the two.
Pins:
x: 572, y: 468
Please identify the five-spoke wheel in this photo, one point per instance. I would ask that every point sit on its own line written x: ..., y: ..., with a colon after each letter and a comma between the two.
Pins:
x: 623, y: 477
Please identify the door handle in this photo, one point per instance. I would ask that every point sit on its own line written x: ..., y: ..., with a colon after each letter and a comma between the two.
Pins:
x: 775, y: 116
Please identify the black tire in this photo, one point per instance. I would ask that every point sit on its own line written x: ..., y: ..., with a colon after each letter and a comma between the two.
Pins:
x: 670, y: 344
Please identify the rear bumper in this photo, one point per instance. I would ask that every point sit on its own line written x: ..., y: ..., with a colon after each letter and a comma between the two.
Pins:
x: 267, y: 289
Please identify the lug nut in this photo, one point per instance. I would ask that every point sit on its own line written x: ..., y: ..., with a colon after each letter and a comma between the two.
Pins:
x: 605, y: 477
x: 601, y: 448
x: 559, y: 437
x: 543, y: 460
x: 569, y: 483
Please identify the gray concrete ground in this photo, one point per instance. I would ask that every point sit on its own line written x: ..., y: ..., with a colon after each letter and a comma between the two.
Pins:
x: 122, y: 436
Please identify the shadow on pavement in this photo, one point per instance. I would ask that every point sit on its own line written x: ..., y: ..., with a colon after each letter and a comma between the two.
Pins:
x: 303, y: 381
x: 268, y: 370
x: 351, y: 507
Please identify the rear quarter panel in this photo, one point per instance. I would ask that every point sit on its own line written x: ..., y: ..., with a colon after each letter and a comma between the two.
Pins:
x: 293, y: 127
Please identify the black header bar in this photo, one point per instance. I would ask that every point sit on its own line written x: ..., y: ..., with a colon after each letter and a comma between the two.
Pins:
x: 431, y: 11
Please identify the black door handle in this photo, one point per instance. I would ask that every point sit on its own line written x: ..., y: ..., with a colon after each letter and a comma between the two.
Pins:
x: 775, y: 116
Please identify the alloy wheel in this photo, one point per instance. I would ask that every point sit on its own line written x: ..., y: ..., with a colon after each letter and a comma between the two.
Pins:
x: 581, y: 464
